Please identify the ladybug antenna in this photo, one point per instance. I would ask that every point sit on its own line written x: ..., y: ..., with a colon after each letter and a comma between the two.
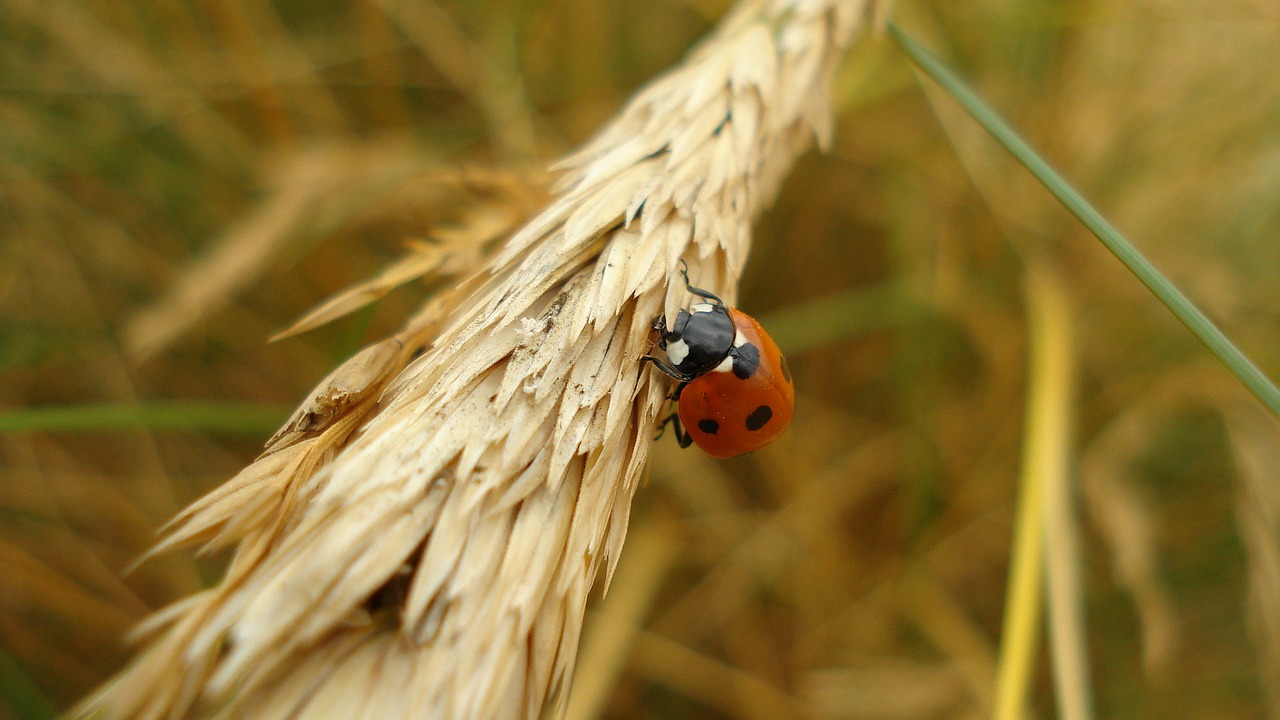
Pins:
x: 707, y: 294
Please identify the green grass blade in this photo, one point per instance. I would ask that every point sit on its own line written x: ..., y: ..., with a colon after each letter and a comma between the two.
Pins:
x: 1189, y: 314
x: 235, y: 418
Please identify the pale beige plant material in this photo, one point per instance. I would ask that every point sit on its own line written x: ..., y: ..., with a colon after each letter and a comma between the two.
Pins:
x: 420, y: 540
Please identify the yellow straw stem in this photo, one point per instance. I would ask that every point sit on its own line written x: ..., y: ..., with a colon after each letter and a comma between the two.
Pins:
x: 1051, y: 423
x: 1044, y: 462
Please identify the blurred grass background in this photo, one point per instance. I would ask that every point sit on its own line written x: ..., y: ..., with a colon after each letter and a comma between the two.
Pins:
x: 182, y: 179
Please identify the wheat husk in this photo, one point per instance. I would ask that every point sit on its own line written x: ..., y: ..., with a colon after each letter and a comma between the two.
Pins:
x: 421, y: 537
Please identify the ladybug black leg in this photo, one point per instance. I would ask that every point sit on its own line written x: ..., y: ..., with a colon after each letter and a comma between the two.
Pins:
x: 707, y: 294
x: 659, y: 325
x: 667, y: 369
x: 682, y: 437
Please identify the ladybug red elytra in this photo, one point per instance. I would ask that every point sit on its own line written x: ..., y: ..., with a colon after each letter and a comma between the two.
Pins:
x: 735, y: 393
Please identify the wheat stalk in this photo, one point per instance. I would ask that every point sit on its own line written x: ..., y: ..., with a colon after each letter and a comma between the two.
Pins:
x: 421, y: 538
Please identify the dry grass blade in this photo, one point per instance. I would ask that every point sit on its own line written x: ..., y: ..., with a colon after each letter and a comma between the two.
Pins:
x: 1125, y: 518
x: 451, y: 251
x: 306, y: 184
x: 1257, y: 459
x: 437, y: 562
x: 495, y: 89
x: 122, y: 66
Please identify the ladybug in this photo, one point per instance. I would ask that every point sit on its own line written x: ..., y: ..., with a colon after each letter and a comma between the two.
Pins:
x: 735, y: 393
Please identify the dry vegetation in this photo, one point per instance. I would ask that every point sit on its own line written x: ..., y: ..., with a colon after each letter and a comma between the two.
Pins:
x: 181, y: 182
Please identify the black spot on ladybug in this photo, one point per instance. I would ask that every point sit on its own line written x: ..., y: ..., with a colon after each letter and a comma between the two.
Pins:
x: 709, y: 426
x: 786, y: 370
x: 758, y: 417
x: 746, y: 359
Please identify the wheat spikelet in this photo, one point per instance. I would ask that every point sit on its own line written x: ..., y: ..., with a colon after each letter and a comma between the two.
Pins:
x: 421, y: 538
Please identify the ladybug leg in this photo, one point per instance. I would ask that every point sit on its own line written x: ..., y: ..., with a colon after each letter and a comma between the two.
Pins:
x: 706, y: 294
x: 682, y: 437
x: 659, y: 325
x: 667, y: 369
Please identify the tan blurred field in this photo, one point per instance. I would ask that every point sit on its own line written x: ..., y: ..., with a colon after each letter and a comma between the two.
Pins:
x: 180, y: 181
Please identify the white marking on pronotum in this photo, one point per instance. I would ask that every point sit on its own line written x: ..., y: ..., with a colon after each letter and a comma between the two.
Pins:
x: 726, y: 365
x: 739, y: 339
x: 703, y: 307
x: 677, y: 351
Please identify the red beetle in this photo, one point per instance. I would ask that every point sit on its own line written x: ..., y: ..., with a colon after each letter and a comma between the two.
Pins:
x: 735, y: 393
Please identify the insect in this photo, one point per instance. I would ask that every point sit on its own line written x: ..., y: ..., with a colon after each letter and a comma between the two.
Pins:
x: 735, y: 393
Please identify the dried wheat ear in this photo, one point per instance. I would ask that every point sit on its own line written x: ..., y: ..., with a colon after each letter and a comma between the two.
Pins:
x: 419, y: 540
